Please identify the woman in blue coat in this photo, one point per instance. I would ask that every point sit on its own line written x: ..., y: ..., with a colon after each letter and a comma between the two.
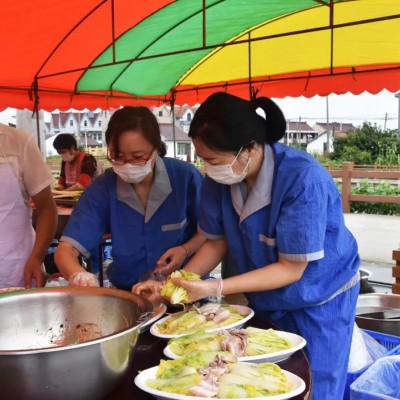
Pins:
x: 149, y: 203
x: 279, y: 214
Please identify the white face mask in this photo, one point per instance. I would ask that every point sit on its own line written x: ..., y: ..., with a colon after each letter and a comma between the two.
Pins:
x: 67, y: 157
x: 224, y: 173
x: 131, y: 173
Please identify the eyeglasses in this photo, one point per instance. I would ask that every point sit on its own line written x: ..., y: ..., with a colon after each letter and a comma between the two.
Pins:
x: 132, y: 161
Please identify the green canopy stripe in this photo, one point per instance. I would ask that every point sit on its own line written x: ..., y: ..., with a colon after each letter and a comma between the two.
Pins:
x: 177, y: 27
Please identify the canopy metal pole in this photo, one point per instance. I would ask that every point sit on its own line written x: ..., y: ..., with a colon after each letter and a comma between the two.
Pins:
x: 331, y: 17
x: 204, y: 24
x: 173, y: 121
x: 249, y: 61
x: 397, y: 95
x: 38, y: 128
x: 34, y: 95
x: 327, y: 125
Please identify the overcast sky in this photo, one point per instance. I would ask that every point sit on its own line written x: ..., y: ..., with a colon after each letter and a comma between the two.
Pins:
x: 342, y: 108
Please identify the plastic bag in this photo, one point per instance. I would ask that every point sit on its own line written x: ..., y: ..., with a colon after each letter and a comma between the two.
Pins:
x: 380, y: 381
x: 364, y: 350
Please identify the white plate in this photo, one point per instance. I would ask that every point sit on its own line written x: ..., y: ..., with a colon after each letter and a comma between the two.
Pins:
x: 159, y: 311
x: 246, y: 311
x: 140, y: 381
x: 297, y: 343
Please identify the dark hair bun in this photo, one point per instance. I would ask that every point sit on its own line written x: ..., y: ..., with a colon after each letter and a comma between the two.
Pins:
x: 227, y: 123
x: 275, y: 120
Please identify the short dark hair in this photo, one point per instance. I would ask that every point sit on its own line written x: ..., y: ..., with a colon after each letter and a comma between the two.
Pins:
x: 228, y: 123
x: 65, y: 141
x: 132, y: 119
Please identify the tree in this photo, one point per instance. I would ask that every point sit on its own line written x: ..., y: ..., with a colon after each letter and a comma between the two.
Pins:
x: 366, y: 145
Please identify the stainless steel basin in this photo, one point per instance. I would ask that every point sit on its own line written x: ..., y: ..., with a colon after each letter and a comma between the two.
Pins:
x: 378, y: 303
x: 365, y: 273
x: 67, y: 343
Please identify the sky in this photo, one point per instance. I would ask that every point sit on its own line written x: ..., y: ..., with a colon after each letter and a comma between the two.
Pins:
x: 342, y: 108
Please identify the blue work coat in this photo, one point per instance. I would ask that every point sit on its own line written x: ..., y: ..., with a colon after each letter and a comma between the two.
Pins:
x: 139, y: 236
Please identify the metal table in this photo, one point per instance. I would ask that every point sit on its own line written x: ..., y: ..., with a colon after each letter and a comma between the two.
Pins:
x: 149, y: 352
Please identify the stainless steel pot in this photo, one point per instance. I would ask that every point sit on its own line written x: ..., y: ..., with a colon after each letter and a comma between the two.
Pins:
x: 67, y: 343
x: 365, y: 273
x: 378, y: 303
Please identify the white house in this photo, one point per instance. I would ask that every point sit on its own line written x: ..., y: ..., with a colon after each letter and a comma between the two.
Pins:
x: 184, y: 148
x: 87, y: 123
x: 163, y: 114
x: 320, y: 144
x: 322, y: 127
x: 50, y: 150
x: 90, y: 127
x: 184, y: 114
x: 298, y: 132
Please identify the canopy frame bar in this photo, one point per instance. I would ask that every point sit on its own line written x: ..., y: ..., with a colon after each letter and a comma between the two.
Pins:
x: 269, y: 79
x: 225, y: 85
x: 113, y: 29
x: 233, y: 43
x: 111, y: 87
x: 68, y: 34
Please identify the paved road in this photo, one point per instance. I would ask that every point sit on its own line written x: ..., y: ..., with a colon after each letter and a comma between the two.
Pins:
x: 377, y: 237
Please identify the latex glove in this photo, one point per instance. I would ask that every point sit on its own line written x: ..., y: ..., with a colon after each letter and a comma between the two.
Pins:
x: 200, y: 289
x: 34, y: 270
x: 83, y: 278
x: 149, y: 289
x: 171, y: 260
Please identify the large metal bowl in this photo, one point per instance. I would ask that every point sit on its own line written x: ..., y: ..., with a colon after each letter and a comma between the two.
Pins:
x: 378, y: 303
x: 67, y: 343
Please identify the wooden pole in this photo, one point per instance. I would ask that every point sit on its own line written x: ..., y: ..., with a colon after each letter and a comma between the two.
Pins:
x: 396, y: 272
x: 347, y: 169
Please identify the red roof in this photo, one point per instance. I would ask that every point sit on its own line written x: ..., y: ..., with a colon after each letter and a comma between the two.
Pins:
x: 337, y: 126
x: 56, y: 120
x: 180, y: 110
x: 64, y: 116
x: 299, y: 127
x: 90, y: 142
x: 180, y: 135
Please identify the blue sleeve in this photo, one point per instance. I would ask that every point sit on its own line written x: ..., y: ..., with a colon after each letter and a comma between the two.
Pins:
x: 210, y: 219
x: 90, y: 219
x: 302, y: 224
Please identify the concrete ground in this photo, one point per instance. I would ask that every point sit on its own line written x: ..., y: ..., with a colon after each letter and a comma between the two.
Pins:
x: 377, y: 236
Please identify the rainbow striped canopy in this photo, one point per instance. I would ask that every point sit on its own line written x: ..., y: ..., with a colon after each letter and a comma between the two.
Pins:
x: 102, y: 53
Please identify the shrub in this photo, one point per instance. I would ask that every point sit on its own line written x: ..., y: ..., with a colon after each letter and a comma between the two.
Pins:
x: 361, y: 157
x: 383, y: 188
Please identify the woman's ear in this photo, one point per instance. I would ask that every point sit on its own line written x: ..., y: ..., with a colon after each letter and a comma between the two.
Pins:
x: 252, y: 148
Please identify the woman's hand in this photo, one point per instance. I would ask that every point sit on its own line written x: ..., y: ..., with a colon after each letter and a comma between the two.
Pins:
x: 34, y: 270
x: 83, y: 278
x: 200, y: 289
x: 171, y: 260
x: 149, y: 289
x: 59, y: 187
